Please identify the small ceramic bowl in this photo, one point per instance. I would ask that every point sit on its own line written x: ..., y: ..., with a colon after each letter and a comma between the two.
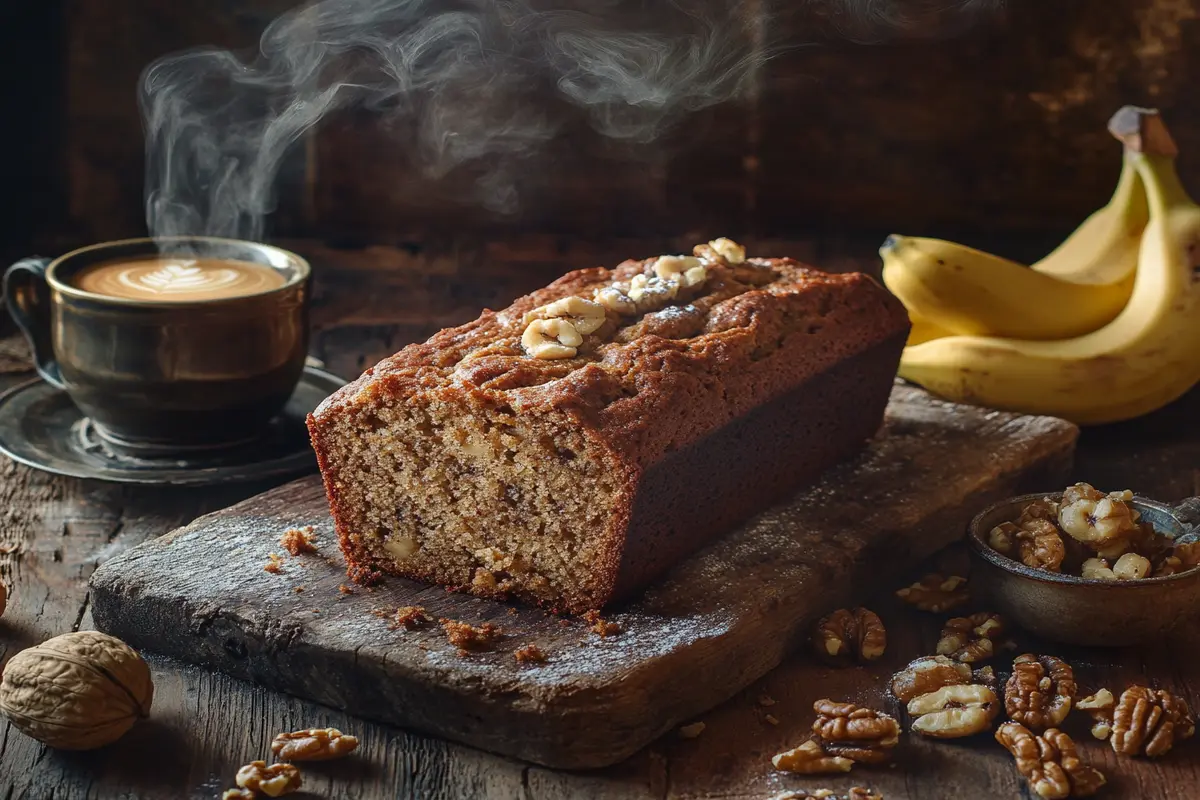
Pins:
x: 1075, y: 610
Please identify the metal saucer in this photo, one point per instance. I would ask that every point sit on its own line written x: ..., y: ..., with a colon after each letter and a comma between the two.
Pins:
x: 42, y: 428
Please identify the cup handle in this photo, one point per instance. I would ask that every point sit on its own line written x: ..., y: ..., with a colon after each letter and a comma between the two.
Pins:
x: 27, y: 296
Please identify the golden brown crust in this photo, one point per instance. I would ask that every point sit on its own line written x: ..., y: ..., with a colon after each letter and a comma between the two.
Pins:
x: 640, y: 388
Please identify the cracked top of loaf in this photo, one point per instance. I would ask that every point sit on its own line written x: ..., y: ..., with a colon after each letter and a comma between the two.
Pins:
x: 650, y: 382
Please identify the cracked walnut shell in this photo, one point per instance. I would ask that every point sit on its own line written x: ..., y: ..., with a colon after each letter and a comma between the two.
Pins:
x: 850, y: 633
x: 275, y: 780
x: 953, y: 712
x: 77, y: 691
x: 928, y: 674
x: 1040, y: 691
x: 971, y: 639
x: 1049, y: 762
x: 935, y: 592
x: 313, y: 744
x: 810, y: 759
x: 1148, y: 722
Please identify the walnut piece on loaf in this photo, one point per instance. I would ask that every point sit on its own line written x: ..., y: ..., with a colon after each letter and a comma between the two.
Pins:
x: 553, y: 451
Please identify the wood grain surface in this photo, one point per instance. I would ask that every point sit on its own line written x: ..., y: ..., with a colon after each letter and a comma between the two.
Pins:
x: 724, y: 618
x: 996, y: 127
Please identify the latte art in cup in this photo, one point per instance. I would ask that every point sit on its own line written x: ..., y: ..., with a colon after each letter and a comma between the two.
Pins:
x: 178, y: 279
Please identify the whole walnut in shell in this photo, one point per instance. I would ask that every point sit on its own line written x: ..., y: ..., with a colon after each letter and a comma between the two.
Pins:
x: 77, y: 691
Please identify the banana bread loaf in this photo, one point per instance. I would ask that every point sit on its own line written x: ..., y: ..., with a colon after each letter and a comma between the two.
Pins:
x: 572, y: 447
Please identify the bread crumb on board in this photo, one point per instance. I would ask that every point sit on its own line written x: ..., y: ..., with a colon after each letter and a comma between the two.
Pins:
x: 467, y: 637
x: 692, y: 731
x: 601, y: 626
x: 530, y: 654
x: 274, y: 564
x: 298, y: 540
x: 410, y: 618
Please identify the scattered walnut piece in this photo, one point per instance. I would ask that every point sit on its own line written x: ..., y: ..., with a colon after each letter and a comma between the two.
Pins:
x: 928, y: 674
x: 313, y: 744
x: 274, y: 780
x: 935, y: 593
x: 411, y: 618
x: 238, y: 794
x: 1131, y: 567
x: 953, y: 712
x: 810, y: 759
x: 855, y: 793
x: 530, y: 654
x: 468, y: 637
x: 1149, y: 721
x: 770, y: 719
x: 1097, y: 569
x: 860, y: 734
x: 1040, y: 691
x: 274, y: 564
x: 601, y: 626
x: 1049, y: 762
x: 298, y: 540
x: 766, y: 701
x: 1040, y: 545
x: 850, y: 634
x: 971, y: 639
x: 1100, y: 707
x: 691, y: 731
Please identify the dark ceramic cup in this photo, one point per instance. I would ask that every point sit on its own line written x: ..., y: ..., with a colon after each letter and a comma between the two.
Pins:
x: 161, y: 379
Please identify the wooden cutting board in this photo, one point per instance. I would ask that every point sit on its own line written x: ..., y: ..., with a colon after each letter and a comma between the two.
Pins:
x: 719, y: 621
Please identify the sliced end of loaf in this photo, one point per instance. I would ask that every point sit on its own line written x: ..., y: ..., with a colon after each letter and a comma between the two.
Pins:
x: 439, y: 488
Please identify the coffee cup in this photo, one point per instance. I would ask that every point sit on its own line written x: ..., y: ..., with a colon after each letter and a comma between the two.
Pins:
x: 168, y: 346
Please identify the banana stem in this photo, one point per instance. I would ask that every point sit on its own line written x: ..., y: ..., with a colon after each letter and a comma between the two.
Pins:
x: 1142, y: 130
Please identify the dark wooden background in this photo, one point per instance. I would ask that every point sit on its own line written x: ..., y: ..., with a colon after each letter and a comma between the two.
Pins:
x: 994, y: 132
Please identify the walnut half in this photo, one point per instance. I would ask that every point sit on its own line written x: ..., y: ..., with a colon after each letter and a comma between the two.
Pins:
x: 313, y: 744
x: 971, y: 639
x: 1148, y: 722
x: 935, y: 592
x: 810, y: 759
x: 953, y: 712
x: 928, y: 674
x: 1040, y: 691
x: 850, y: 633
x: 273, y: 781
x: 1049, y: 762
x: 860, y: 734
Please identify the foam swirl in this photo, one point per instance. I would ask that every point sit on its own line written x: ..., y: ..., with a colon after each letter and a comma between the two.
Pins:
x: 167, y: 279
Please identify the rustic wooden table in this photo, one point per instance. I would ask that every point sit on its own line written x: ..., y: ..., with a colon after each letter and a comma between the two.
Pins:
x: 55, y: 531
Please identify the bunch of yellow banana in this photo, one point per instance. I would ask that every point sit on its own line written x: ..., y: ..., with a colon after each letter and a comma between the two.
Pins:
x: 1105, y: 328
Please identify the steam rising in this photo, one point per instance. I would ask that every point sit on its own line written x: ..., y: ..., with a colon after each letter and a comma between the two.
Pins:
x: 481, y: 82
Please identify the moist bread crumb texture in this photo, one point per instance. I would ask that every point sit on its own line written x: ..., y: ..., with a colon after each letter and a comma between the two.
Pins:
x: 574, y: 478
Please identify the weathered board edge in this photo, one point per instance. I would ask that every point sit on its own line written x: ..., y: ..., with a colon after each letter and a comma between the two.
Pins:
x: 227, y: 642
